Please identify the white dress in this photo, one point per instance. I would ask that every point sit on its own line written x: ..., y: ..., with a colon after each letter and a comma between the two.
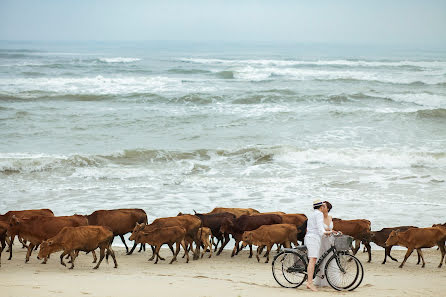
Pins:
x: 326, y: 243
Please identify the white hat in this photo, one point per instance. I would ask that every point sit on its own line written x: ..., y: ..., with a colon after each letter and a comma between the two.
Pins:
x: 317, y: 203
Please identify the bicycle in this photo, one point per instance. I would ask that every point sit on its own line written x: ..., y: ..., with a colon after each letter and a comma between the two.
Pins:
x: 344, y: 272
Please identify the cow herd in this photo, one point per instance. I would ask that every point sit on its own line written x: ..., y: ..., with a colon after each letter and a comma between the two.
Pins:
x: 193, y: 232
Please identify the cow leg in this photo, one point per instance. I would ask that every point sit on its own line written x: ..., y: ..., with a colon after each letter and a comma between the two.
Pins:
x: 157, y: 249
x: 125, y: 244
x: 388, y: 254
x: 419, y: 256
x: 210, y: 245
x: 357, y: 246
x: 133, y: 248
x: 73, y: 257
x: 30, y: 250
x: 94, y: 256
x: 177, y: 250
x: 183, y: 244
x: 443, y: 252
x: 250, y: 251
x: 61, y: 259
x: 112, y: 253
x: 268, y: 249
x: 259, y: 248
x: 11, y: 242
x: 369, y: 250
x: 197, y: 247
x: 408, y: 253
x: 101, y: 256
x: 235, y: 248
x: 142, y: 247
x: 153, y: 253
x: 225, y: 241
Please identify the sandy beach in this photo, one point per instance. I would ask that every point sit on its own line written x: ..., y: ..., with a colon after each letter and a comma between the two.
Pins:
x: 217, y: 276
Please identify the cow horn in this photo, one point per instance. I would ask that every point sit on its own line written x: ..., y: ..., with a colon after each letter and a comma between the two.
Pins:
x: 194, y: 211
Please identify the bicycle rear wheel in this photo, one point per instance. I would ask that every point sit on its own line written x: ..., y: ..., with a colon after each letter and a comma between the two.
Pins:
x: 344, y: 272
x: 289, y: 269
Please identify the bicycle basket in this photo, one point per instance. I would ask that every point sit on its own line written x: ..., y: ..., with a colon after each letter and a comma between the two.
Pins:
x: 343, y: 242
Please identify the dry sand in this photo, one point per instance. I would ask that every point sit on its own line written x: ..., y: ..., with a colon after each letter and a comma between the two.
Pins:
x: 217, y: 276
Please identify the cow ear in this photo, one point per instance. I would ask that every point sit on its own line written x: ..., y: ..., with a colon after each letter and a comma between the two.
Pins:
x: 397, y: 231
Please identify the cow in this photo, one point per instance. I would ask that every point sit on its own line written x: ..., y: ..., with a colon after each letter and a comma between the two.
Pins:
x: 418, y: 238
x: 214, y: 222
x: 71, y: 240
x: 268, y: 235
x: 237, y: 226
x: 380, y: 237
x: 358, y: 229
x: 120, y: 221
x: 298, y: 220
x: 236, y: 211
x: 189, y: 222
x: 204, y: 233
x: 21, y: 214
x: 166, y: 235
x: 36, y: 229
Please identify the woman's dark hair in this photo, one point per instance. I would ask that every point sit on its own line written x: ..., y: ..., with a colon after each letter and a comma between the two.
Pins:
x: 329, y: 206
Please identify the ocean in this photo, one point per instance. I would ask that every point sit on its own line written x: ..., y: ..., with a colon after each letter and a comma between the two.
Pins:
x: 183, y: 126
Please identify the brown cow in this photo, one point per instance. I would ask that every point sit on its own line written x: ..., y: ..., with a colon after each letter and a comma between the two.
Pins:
x: 236, y: 227
x: 167, y: 235
x: 236, y: 211
x: 214, y: 222
x: 358, y: 229
x: 380, y: 237
x: 21, y: 214
x: 147, y: 228
x: 189, y: 222
x: 418, y: 238
x: 83, y: 238
x: 120, y: 221
x: 268, y: 235
x: 204, y: 233
x: 37, y: 228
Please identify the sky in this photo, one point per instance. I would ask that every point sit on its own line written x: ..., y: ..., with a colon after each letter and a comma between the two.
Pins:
x: 414, y: 22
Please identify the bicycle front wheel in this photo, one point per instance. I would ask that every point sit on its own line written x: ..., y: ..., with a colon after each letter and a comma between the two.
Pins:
x: 344, y: 272
x: 289, y: 269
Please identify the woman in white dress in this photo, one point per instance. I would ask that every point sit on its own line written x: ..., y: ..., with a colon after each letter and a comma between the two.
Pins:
x: 326, y: 243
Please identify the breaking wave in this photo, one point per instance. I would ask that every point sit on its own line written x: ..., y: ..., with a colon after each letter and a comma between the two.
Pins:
x: 250, y: 156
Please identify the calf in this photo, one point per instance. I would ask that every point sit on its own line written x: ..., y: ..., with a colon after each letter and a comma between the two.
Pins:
x: 83, y: 238
x: 189, y: 222
x: 358, y: 229
x: 167, y: 235
x: 236, y: 211
x: 418, y: 238
x: 268, y: 235
x: 204, y: 233
x: 236, y: 227
x: 214, y: 222
x: 21, y: 214
x: 37, y: 228
x: 380, y: 237
x: 120, y: 221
